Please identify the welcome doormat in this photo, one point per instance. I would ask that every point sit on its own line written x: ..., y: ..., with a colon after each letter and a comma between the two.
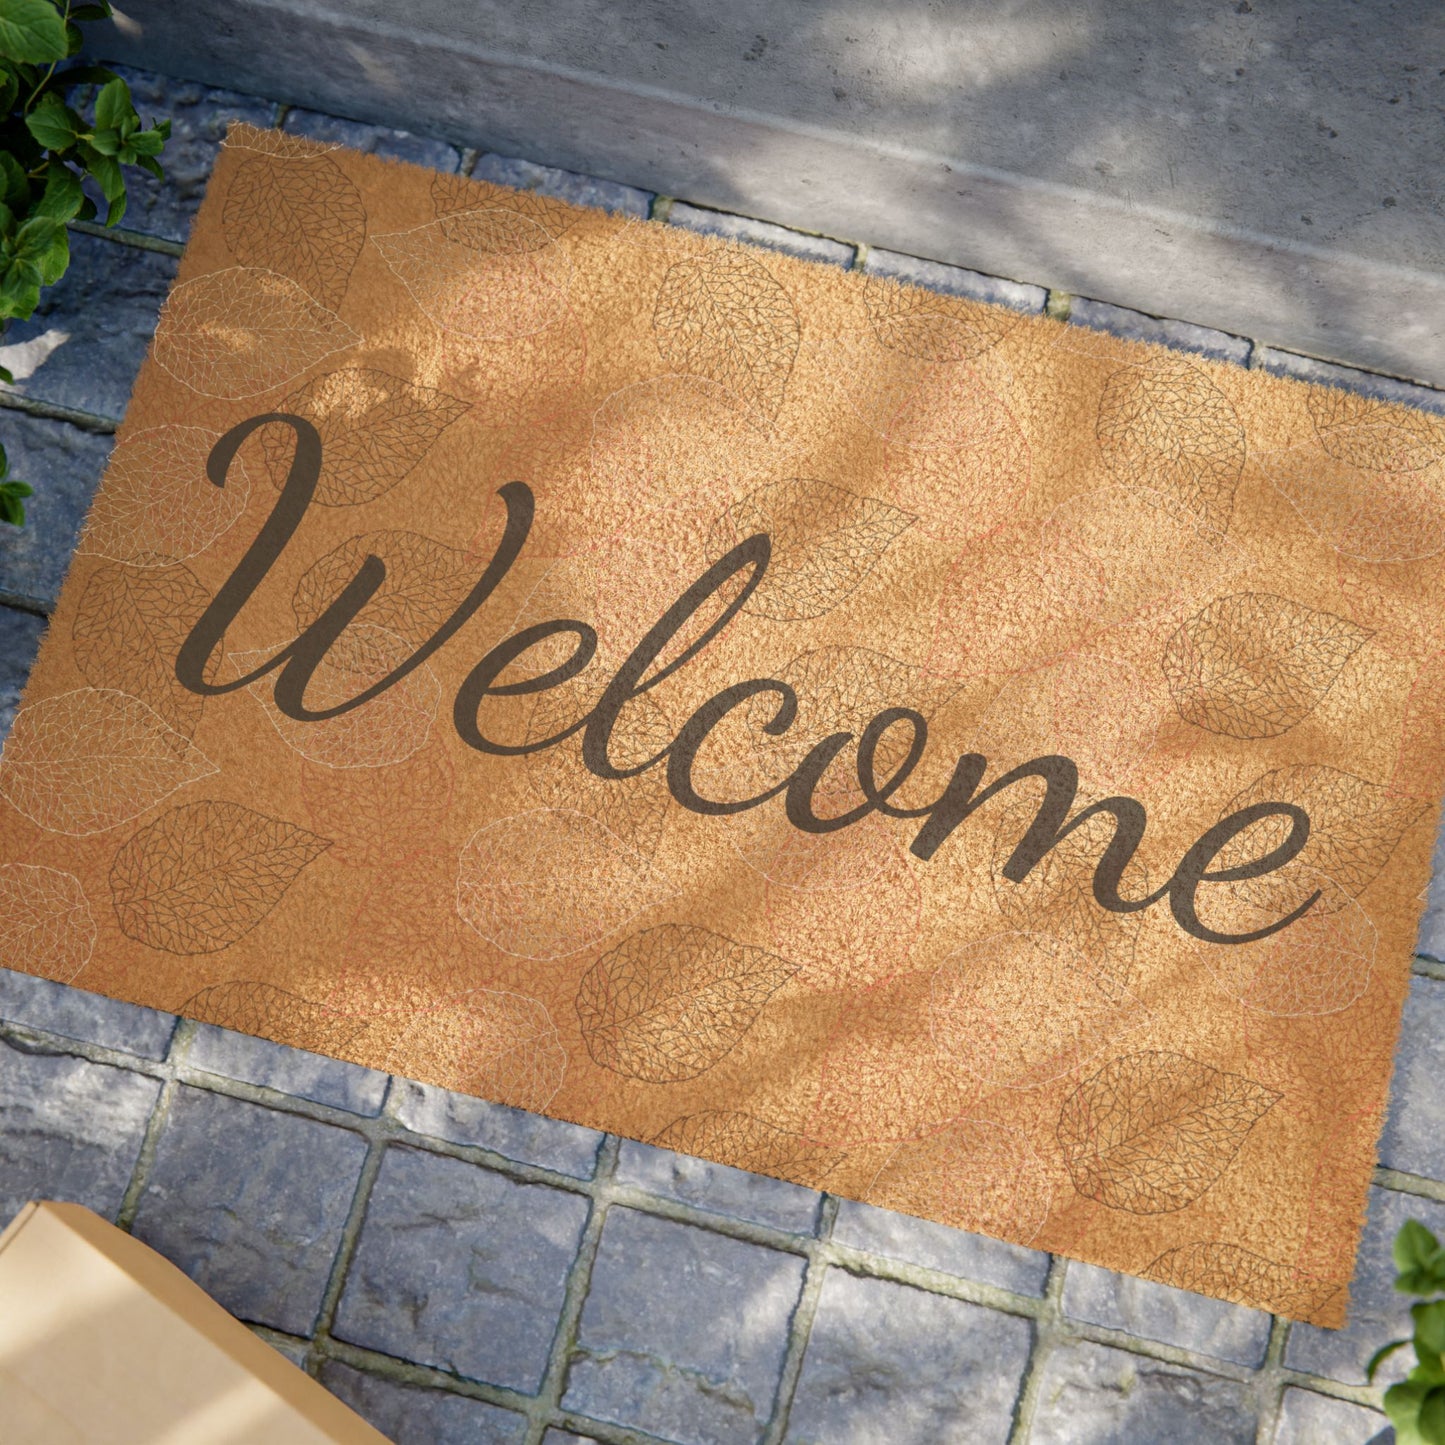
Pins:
x: 869, y: 737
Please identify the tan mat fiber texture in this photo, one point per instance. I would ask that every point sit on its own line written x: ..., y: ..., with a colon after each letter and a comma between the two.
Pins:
x: 588, y: 690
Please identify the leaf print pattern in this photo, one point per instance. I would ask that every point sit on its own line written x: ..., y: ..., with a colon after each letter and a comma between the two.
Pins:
x: 46, y: 926
x: 1370, y: 516
x: 727, y: 319
x: 300, y: 218
x: 426, y: 581
x: 1375, y: 436
x: 491, y: 275
x: 1320, y: 964
x: 1230, y: 1272
x: 1355, y: 825
x: 744, y: 1142
x: 205, y: 874
x: 89, y: 760
x: 375, y: 815
x: 669, y: 1002
x: 452, y: 194
x: 498, y: 1045
x: 1167, y: 426
x: 825, y: 542
x: 374, y: 427
x: 241, y: 332
x: 1151, y: 1131
x: 128, y: 628
x: 261, y: 1009
x: 932, y: 327
x: 1254, y: 665
x: 385, y: 730
x: 157, y: 506
x: 547, y: 883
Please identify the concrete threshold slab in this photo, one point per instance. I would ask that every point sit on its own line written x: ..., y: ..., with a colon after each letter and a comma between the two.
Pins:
x: 1269, y: 174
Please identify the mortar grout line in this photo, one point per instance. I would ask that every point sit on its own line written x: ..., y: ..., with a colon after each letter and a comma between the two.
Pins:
x: 469, y: 158
x: 1269, y: 1391
x: 660, y: 208
x: 176, y: 1051
x: 1427, y: 967
x: 800, y: 1325
x: 124, y: 236
x: 49, y: 411
x: 548, y: 1404
x: 1057, y: 304
x: 1045, y: 1324
x: 346, y: 1245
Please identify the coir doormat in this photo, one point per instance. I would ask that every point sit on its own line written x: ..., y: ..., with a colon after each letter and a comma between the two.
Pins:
x: 908, y: 748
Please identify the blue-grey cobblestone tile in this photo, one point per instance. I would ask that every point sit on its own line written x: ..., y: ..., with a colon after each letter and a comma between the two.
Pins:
x: 199, y: 116
x: 1378, y: 1313
x: 288, y: 1070
x: 461, y: 1268
x: 684, y: 1331
x: 578, y: 190
x: 760, y: 233
x: 717, y: 1187
x: 250, y: 1202
x: 99, y: 319
x: 1367, y: 383
x: 1092, y: 1395
x: 1171, y: 1316
x: 379, y: 140
x: 1414, y: 1135
x: 69, y: 1129
x: 1181, y: 335
x: 414, y: 1415
x: 20, y: 634
x: 93, y: 1018
x: 63, y: 464
x: 955, y: 280
x: 514, y: 1133
x: 886, y: 1362
x: 936, y: 1246
x: 1306, y: 1418
x: 565, y: 1437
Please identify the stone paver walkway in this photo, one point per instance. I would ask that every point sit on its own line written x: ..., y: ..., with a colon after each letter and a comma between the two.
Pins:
x: 461, y: 1272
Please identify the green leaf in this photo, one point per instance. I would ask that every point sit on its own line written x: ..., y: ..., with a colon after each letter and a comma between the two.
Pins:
x: 14, y: 186
x: 1380, y: 1356
x: 16, y: 488
x: 1402, y: 1405
x: 73, y: 39
x: 56, y: 258
x: 91, y: 12
x: 1430, y: 1325
x: 113, y: 105
x: 4, y: 460
x: 1416, y: 1249
x: 9, y: 89
x: 151, y: 164
x: 12, y: 510
x: 87, y: 210
x: 106, y: 172
x: 107, y: 142
x: 7, y: 222
x: 35, y: 237
x: 147, y: 142
x: 63, y: 196
x: 31, y: 30
x: 1432, y: 1417
x: 52, y: 122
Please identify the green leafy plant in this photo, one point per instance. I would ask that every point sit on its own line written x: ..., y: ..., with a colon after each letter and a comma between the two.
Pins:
x: 1416, y: 1406
x: 47, y: 149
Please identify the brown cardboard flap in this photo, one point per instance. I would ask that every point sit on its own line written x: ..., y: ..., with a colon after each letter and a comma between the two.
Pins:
x: 104, y: 1342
